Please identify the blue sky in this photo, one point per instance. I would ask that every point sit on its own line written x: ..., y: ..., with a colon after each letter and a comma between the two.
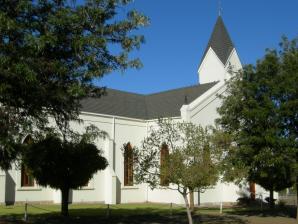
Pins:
x: 180, y: 30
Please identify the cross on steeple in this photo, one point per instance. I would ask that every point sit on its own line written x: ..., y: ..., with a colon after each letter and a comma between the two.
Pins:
x: 219, y: 8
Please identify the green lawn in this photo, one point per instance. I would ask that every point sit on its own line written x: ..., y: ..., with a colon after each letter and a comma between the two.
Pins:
x: 142, y: 214
x: 91, y: 209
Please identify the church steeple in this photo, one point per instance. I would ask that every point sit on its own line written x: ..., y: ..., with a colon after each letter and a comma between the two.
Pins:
x: 218, y: 53
x: 220, y: 41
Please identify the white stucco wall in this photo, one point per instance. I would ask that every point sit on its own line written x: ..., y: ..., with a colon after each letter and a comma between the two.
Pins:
x: 94, y: 192
x: 15, y: 192
x: 2, y: 186
x: 211, y: 68
x: 168, y: 196
x: 120, y: 131
x: 233, y: 64
x: 132, y: 131
x: 203, y: 111
x: 222, y: 192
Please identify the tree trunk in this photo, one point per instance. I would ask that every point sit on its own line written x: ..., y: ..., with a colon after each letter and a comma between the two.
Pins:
x: 64, y: 201
x: 187, y: 209
x: 297, y: 199
x: 191, y: 201
x: 271, y: 199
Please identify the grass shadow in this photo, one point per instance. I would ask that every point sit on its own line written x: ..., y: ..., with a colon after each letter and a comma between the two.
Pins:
x: 220, y: 219
x: 286, y: 211
x: 140, y: 214
x: 141, y: 219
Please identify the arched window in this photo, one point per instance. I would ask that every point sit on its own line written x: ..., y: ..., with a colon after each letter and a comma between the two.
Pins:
x: 164, y: 154
x: 252, y: 190
x: 128, y: 165
x: 26, y: 179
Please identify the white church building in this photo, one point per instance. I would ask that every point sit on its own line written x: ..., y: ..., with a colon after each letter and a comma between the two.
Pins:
x: 127, y: 117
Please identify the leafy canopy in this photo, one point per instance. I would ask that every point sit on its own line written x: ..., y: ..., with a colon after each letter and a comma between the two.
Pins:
x: 64, y: 164
x: 256, y: 115
x: 51, y: 51
x: 191, y: 164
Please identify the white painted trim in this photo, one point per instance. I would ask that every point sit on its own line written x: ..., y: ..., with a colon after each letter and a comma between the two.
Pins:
x: 184, y: 110
x: 134, y: 125
x: 229, y: 57
x: 234, y: 50
x: 84, y: 188
x: 197, y: 102
x: 19, y: 187
x: 123, y: 118
x: 113, y: 128
x: 211, y: 100
x: 34, y: 188
x: 111, y: 116
x: 129, y: 188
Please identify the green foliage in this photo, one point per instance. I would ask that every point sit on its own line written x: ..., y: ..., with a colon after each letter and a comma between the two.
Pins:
x: 63, y: 164
x: 192, y: 164
x: 50, y: 54
x: 259, y: 116
x: 232, y: 168
x: 14, y: 128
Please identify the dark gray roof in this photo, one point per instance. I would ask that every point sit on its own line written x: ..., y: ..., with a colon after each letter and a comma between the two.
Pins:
x: 220, y: 42
x: 163, y: 104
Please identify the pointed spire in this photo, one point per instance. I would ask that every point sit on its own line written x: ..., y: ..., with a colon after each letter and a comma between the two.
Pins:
x: 220, y: 41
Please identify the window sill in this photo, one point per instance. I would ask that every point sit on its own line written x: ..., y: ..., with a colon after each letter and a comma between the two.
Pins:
x: 85, y: 188
x: 29, y: 189
x: 129, y: 188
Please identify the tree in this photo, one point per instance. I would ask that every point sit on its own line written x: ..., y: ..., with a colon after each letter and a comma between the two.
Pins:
x: 288, y: 78
x: 190, y: 166
x: 251, y: 116
x: 63, y: 164
x: 51, y: 51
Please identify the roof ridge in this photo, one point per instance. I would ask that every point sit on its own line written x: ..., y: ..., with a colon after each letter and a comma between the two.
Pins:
x: 179, y: 88
x: 164, y: 91
x: 124, y: 91
x: 170, y: 90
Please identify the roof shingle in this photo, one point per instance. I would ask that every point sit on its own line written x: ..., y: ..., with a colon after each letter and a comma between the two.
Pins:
x: 125, y: 104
